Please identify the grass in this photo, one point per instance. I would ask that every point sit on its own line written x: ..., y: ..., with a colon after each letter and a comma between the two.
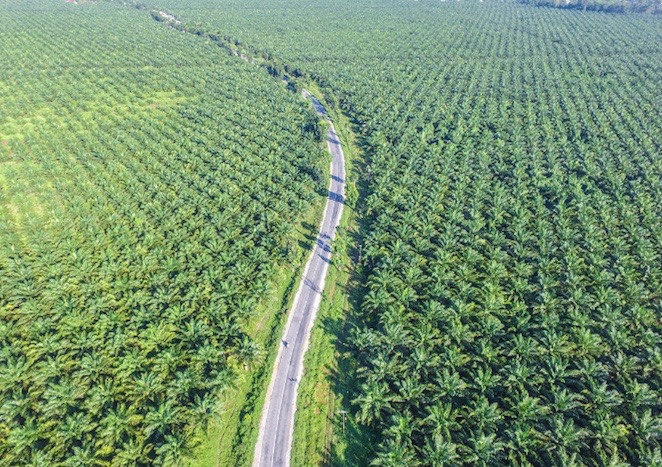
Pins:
x: 231, y: 437
x: 27, y: 200
x: 322, y: 434
x: 224, y: 443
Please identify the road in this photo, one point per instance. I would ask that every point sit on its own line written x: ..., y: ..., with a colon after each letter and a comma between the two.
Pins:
x: 277, y: 424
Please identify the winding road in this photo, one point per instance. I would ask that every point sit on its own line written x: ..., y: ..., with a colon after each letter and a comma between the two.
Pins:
x: 277, y: 424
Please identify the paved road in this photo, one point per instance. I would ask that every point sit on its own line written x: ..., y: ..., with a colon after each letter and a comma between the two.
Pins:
x: 276, y: 427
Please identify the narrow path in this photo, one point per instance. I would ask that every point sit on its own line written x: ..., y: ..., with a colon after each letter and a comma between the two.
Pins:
x: 277, y: 424
x: 274, y: 443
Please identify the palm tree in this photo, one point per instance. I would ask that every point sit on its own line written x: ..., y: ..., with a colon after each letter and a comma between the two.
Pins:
x: 394, y: 453
x: 118, y: 425
x: 82, y: 455
x: 205, y: 408
x: 450, y: 384
x: 373, y: 401
x: 248, y: 351
x: 135, y: 452
x: 484, y: 380
x: 148, y: 387
x: 413, y: 390
x: 442, y: 419
x: 23, y: 439
x: 438, y: 452
x: 174, y: 448
x: 484, y: 449
x: 525, y: 444
x: 485, y: 414
x: 566, y: 402
x: 565, y: 434
x: 162, y: 419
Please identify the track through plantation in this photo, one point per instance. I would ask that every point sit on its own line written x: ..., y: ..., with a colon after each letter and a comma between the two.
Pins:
x: 511, y: 255
x: 506, y: 296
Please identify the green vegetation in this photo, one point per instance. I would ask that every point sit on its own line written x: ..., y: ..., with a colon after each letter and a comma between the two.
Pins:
x: 612, y: 6
x: 504, y: 303
x: 151, y: 191
x: 323, y: 388
x: 511, y: 255
x: 230, y: 438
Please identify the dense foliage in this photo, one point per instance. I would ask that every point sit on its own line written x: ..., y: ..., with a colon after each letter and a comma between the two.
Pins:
x: 612, y: 6
x: 512, y: 259
x: 148, y: 188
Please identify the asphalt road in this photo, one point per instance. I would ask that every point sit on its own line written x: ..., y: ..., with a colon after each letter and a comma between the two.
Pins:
x: 277, y: 424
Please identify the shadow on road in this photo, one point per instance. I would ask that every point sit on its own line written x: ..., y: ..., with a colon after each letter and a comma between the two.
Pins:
x: 337, y: 197
x: 360, y: 440
x: 312, y: 285
x: 323, y: 245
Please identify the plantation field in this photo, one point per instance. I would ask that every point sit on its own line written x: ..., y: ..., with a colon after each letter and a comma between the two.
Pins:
x: 510, y: 243
x: 151, y: 187
x: 653, y: 7
x: 496, y: 299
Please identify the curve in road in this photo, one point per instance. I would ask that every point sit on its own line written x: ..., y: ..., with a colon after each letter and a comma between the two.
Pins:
x: 277, y: 424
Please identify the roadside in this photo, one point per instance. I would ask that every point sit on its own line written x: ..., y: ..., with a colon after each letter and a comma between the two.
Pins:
x: 231, y: 437
x: 322, y: 434
x: 278, y: 414
x: 325, y: 433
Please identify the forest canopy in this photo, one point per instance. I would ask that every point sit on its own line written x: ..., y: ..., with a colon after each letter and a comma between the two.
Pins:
x: 149, y: 187
x: 612, y: 6
x: 511, y: 243
x: 506, y: 295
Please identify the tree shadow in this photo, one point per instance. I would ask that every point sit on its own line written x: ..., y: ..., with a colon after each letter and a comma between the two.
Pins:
x: 307, y: 243
x: 360, y: 440
x: 337, y: 197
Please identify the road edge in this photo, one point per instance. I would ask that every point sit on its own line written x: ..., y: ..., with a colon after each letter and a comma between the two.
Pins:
x: 331, y: 134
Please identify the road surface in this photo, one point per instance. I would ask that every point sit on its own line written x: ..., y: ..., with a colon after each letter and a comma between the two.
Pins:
x: 277, y: 424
